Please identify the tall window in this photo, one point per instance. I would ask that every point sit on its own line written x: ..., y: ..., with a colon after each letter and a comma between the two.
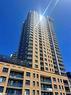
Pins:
x: 54, y: 79
x: 33, y: 75
x: 28, y: 74
x: 27, y: 92
x: 27, y: 82
x: 33, y: 92
x: 55, y: 86
x: 2, y: 79
x: 56, y: 93
x: 5, y: 69
x: 33, y: 83
x: 37, y: 92
x: 1, y: 89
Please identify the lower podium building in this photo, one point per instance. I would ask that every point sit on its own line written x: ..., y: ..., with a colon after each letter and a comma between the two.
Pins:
x: 19, y: 80
x: 37, y: 67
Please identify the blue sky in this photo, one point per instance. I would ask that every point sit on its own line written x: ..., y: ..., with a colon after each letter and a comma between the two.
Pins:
x: 13, y: 13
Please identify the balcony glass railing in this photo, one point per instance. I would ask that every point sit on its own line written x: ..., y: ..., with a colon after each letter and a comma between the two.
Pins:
x: 47, y: 89
x: 15, y: 85
x: 46, y: 80
x: 17, y: 76
x: 13, y: 94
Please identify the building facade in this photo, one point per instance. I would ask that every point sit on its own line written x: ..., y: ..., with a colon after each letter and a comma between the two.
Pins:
x: 19, y: 80
x: 40, y: 69
x: 38, y: 45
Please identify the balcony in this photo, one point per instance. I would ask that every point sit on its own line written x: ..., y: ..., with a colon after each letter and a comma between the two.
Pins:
x: 46, y: 87
x: 11, y: 91
x: 45, y: 80
x: 16, y: 74
x: 67, y: 89
x: 15, y: 83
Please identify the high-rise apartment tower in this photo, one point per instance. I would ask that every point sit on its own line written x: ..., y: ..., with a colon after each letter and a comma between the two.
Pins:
x: 38, y: 45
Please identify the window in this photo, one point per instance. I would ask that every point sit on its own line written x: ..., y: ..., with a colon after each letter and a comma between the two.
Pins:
x: 41, y: 63
x: 1, y: 89
x: 45, y: 59
x: 52, y: 70
x: 28, y: 74
x: 27, y: 92
x: 58, y: 80
x: 37, y: 83
x: 33, y: 92
x: 36, y: 56
x: 5, y: 69
x: 33, y: 83
x: 16, y: 74
x: 62, y: 87
x: 55, y: 86
x: 42, y: 68
x: 56, y: 93
x: 2, y: 79
x: 61, y: 80
x: 65, y: 82
x: 41, y: 58
x: 45, y: 55
x: 46, y: 68
x: 36, y: 52
x: 54, y: 79
x: 37, y: 92
x: 36, y: 66
x: 36, y: 61
x: 46, y: 64
x: 27, y: 82
x: 33, y: 75
x: 36, y: 45
x: 37, y: 76
x: 59, y: 87
x: 60, y: 93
